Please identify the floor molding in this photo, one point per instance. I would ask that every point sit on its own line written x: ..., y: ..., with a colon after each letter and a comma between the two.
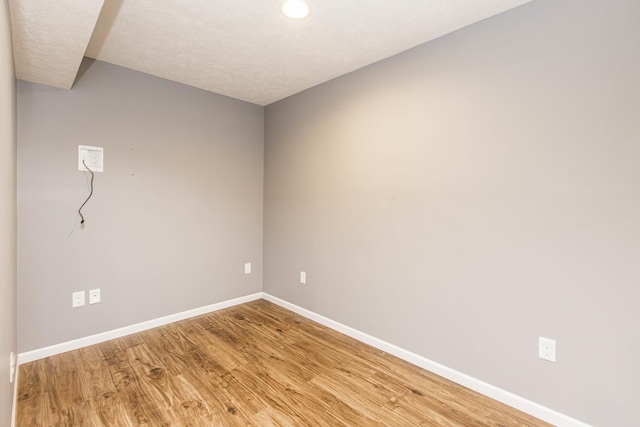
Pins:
x: 15, y: 392
x: 546, y: 414
x: 41, y: 353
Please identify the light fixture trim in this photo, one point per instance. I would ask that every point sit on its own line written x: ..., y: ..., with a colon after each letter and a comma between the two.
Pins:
x: 295, y: 9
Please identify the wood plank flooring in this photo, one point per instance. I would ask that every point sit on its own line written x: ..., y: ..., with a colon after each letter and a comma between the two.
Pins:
x: 256, y: 364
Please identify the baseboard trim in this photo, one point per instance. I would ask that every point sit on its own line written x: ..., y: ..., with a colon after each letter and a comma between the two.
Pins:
x: 41, y: 353
x: 546, y: 414
x: 15, y: 392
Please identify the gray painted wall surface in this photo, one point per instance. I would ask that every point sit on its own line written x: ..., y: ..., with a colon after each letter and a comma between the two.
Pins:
x: 7, y: 213
x: 470, y: 195
x: 174, y: 217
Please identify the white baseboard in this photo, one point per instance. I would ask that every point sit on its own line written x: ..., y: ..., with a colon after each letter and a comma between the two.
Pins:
x: 549, y: 415
x: 15, y: 392
x: 546, y: 414
x: 41, y: 353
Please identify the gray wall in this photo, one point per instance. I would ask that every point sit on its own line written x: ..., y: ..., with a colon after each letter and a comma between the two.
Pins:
x: 174, y: 217
x: 7, y: 213
x: 470, y: 195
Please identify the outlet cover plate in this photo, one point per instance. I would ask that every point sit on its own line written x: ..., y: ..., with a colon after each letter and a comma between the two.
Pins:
x: 547, y: 349
x: 92, y: 156
x: 77, y: 299
x: 94, y: 296
x: 303, y: 278
x: 13, y: 359
x: 247, y: 268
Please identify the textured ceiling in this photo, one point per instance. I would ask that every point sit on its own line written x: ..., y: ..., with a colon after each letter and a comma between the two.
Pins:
x: 244, y: 49
x: 50, y: 37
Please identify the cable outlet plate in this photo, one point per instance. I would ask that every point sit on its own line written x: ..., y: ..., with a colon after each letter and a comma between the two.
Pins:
x: 547, y: 349
x: 92, y: 156
x: 247, y: 268
x: 94, y: 296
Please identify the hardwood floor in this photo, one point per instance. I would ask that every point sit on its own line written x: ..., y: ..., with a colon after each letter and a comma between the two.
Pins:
x: 251, y: 365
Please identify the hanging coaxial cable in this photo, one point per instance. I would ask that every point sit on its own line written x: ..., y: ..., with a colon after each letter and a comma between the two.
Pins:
x: 90, y: 194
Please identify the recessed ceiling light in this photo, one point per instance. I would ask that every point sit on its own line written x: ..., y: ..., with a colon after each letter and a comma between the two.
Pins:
x: 295, y: 9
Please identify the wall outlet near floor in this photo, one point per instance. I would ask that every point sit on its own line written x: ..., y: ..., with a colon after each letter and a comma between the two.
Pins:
x: 303, y: 278
x: 247, y: 268
x: 94, y: 296
x: 12, y: 367
x: 77, y: 299
x: 547, y: 349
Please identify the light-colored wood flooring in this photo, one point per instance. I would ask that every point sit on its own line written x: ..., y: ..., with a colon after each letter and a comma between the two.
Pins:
x: 251, y: 365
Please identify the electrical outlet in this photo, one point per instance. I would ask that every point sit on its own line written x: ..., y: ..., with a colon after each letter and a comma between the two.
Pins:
x: 547, y: 349
x: 247, y: 268
x: 303, y: 277
x: 12, y: 367
x: 94, y: 296
x: 77, y: 299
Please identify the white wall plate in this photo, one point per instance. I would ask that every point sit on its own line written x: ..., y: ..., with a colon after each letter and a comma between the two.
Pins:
x: 92, y: 156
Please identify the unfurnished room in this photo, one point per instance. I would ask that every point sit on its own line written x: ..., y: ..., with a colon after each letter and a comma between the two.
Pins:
x: 320, y: 213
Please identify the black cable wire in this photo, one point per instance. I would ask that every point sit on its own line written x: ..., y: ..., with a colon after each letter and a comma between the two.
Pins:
x: 90, y: 194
